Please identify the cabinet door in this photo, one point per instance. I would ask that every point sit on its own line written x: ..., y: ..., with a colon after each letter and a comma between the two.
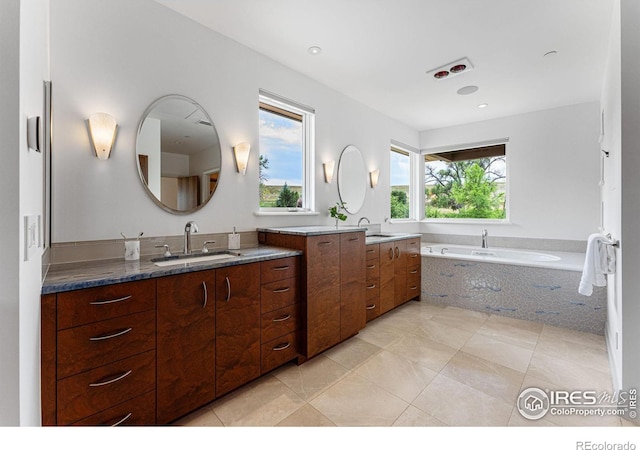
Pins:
x: 352, y: 284
x: 387, y: 277
x: 400, y: 271
x: 237, y: 326
x: 186, y: 343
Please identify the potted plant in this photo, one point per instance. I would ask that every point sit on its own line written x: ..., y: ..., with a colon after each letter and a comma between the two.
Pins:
x: 334, y: 212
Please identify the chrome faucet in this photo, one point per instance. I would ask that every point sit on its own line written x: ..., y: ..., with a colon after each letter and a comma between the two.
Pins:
x: 484, y: 239
x: 190, y: 227
x: 363, y: 218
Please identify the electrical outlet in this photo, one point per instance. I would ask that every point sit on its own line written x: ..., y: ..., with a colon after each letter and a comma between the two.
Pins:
x: 31, y: 236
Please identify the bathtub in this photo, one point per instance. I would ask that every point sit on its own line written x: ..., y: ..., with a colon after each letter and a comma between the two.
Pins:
x: 522, y: 284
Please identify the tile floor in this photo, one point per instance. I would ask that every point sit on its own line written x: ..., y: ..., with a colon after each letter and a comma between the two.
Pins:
x: 423, y: 365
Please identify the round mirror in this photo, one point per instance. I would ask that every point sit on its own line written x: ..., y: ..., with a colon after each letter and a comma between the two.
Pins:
x: 352, y: 179
x: 178, y: 154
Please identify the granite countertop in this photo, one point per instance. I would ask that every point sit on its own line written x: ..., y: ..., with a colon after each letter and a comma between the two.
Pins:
x: 381, y: 237
x: 311, y: 230
x: 68, y: 277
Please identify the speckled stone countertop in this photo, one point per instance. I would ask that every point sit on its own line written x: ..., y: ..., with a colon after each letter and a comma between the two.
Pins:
x: 68, y: 277
x: 381, y: 237
x: 311, y: 230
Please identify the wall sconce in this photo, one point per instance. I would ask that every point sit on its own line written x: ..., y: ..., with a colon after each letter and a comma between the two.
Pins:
x: 373, y: 176
x: 241, y: 152
x: 328, y: 171
x: 102, y: 131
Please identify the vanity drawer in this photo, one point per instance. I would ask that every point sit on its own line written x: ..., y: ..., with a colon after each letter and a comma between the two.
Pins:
x: 372, y: 308
x: 137, y: 411
x: 279, y: 322
x: 105, y: 302
x: 278, y: 294
x: 413, y: 245
x: 372, y: 270
x: 279, y: 351
x: 372, y: 289
x: 278, y: 269
x: 372, y: 251
x: 95, y: 390
x: 413, y: 274
x: 325, y: 247
x: 93, y: 345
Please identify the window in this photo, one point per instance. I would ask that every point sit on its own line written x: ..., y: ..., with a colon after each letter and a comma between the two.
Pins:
x: 286, y: 153
x: 400, y: 164
x: 470, y: 183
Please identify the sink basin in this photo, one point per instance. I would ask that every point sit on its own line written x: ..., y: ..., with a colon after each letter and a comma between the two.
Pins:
x: 194, y: 258
x: 379, y: 235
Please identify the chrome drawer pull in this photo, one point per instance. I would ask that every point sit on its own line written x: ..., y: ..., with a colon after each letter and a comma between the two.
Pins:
x: 391, y: 253
x: 371, y: 287
x: 228, y: 288
x: 397, y: 252
x: 325, y: 243
x: 278, y: 291
x: 280, y: 268
x: 371, y: 251
x: 414, y: 271
x: 354, y: 239
x: 413, y: 288
x: 414, y: 255
x: 106, y: 302
x: 372, y: 266
x: 109, y: 336
x: 277, y: 348
x: 371, y: 307
x: 113, y: 380
x: 282, y: 318
x: 204, y: 286
x: 121, y: 421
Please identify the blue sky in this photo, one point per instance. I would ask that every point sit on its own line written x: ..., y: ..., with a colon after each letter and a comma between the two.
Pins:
x: 281, y: 143
x: 400, y: 169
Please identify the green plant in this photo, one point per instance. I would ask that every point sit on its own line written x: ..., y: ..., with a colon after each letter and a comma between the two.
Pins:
x: 334, y: 212
x: 287, y: 198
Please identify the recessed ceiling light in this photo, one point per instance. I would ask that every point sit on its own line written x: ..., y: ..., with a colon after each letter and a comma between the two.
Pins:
x: 483, y: 105
x: 551, y: 53
x: 441, y: 74
x: 315, y: 50
x: 467, y: 90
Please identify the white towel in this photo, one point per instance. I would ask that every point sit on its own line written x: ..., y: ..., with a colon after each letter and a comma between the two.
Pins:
x: 599, y: 260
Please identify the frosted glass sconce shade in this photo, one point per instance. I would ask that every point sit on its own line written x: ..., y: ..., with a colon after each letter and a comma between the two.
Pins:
x: 328, y: 171
x: 102, y: 131
x: 241, y: 152
x: 373, y: 176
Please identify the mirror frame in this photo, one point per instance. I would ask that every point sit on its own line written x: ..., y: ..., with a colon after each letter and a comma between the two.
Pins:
x: 155, y: 199
x: 341, y: 168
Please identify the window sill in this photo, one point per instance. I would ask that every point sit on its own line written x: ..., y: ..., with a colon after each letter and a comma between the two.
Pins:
x: 286, y: 213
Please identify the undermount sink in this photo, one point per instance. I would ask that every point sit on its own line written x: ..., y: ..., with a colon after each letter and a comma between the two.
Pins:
x: 379, y: 235
x: 193, y: 258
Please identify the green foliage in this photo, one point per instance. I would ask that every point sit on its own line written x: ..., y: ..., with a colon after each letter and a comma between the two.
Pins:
x: 399, y: 205
x: 287, y: 198
x: 334, y: 212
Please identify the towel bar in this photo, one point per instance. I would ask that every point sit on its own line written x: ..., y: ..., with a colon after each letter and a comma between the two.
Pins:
x: 615, y: 243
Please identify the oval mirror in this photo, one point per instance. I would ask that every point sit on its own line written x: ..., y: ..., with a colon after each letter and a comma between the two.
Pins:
x: 178, y: 154
x: 352, y: 179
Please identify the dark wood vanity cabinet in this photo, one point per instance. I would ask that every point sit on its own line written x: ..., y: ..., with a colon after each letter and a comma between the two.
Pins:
x: 372, y: 270
x: 237, y: 326
x: 186, y: 343
x: 352, y: 284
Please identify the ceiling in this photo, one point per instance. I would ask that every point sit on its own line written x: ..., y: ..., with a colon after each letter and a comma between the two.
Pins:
x: 378, y: 51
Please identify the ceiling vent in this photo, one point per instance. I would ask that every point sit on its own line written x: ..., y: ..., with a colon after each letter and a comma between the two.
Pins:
x: 452, y: 69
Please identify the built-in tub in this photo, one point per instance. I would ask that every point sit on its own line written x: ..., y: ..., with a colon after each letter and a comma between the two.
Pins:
x: 523, y: 284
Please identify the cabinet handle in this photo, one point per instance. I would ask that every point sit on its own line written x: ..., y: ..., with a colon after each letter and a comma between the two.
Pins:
x: 413, y: 288
x: 280, y: 268
x: 373, y: 286
x: 278, y: 291
x: 121, y: 421
x: 391, y: 253
x: 354, y: 239
x: 112, y: 380
x: 414, y: 255
x: 397, y: 252
x: 106, y: 302
x: 228, y: 288
x: 325, y: 243
x: 109, y: 336
x: 371, y: 307
x: 372, y: 266
x: 414, y: 271
x: 371, y: 250
x: 282, y: 318
x: 283, y: 346
x: 204, y: 287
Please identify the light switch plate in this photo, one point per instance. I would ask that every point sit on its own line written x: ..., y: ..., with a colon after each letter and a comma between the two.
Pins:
x: 32, y: 240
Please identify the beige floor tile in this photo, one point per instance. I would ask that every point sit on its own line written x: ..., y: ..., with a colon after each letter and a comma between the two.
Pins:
x: 461, y: 318
x: 381, y: 334
x: 396, y: 374
x: 307, y: 416
x: 401, y: 322
x: 432, y: 354
x: 578, y: 337
x: 486, y: 376
x: 355, y: 401
x: 512, y: 331
x: 352, y: 352
x: 457, y: 404
x: 509, y: 355
x: 528, y: 325
x: 574, y: 353
x: 414, y: 417
x: 312, y: 377
x: 265, y: 402
x: 568, y: 376
x: 436, y: 331
x: 203, y: 417
x: 517, y: 420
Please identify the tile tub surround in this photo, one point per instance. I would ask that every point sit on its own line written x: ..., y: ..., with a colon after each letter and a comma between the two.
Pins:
x: 544, y: 245
x: 67, y: 277
x: 423, y: 365
x: 537, y: 294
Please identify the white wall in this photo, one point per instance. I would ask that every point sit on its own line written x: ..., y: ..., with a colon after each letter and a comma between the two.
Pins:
x: 553, y: 163
x: 158, y: 52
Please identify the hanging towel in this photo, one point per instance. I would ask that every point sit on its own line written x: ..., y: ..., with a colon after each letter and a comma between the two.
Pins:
x: 599, y: 260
